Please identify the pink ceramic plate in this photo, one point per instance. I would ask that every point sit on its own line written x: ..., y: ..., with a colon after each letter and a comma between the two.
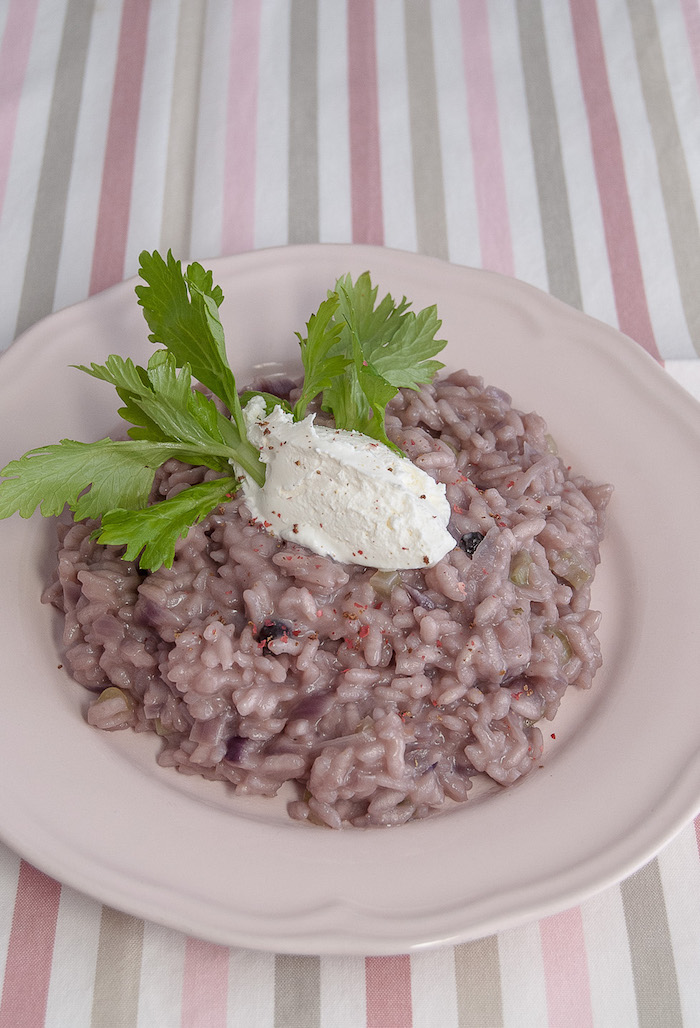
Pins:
x: 622, y: 776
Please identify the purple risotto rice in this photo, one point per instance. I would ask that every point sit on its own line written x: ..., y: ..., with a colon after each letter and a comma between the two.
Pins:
x: 379, y: 695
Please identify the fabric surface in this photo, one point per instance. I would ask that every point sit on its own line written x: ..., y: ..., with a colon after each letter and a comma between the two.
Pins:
x: 558, y: 142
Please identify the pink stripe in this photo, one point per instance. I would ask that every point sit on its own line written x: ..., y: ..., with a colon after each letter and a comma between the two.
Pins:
x: 238, y: 227
x: 567, y: 983
x: 205, y: 985
x: 118, y: 170
x: 691, y: 13
x: 388, y: 992
x: 618, y: 222
x: 14, y: 56
x: 482, y: 107
x: 30, y: 950
x: 697, y: 832
x: 365, y: 168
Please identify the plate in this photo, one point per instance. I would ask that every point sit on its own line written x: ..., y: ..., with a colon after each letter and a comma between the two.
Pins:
x: 619, y: 780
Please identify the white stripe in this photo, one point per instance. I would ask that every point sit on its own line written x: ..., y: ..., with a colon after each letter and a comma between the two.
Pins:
x: 160, y: 984
x: 680, y: 72
x: 613, y: 999
x: 9, y: 878
x: 334, y: 189
x: 597, y: 294
x: 151, y: 156
x: 84, y: 187
x: 251, y: 989
x: 272, y: 157
x: 25, y: 164
x: 343, y: 994
x: 687, y: 373
x: 434, y: 989
x: 398, y: 200
x: 210, y: 159
x: 523, y: 990
x: 642, y: 174
x: 680, y: 877
x: 529, y: 262
x: 71, y: 986
x: 463, y: 243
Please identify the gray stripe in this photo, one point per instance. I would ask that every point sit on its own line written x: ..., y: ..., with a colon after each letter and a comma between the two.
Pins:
x: 50, y: 207
x: 431, y: 226
x: 176, y: 226
x: 557, y: 231
x: 297, y: 991
x: 673, y: 170
x: 118, y: 971
x: 478, y: 981
x: 303, y: 123
x: 653, y: 967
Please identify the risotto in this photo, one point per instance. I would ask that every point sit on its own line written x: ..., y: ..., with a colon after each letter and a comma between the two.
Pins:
x: 379, y: 695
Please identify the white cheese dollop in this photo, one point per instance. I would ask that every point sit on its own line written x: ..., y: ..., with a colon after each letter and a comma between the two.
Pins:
x: 344, y: 495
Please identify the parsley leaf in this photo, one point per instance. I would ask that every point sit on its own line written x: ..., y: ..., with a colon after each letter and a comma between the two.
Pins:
x: 271, y: 401
x: 388, y: 347
x: 168, y: 418
x: 375, y: 394
x: 118, y: 474
x: 395, y: 341
x: 151, y: 534
x: 320, y: 369
x: 181, y: 310
x: 163, y: 407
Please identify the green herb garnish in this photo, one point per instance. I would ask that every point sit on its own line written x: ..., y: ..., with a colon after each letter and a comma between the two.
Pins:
x: 388, y: 348
x: 356, y: 355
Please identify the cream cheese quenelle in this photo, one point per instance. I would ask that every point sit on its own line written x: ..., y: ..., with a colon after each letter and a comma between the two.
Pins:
x: 344, y: 495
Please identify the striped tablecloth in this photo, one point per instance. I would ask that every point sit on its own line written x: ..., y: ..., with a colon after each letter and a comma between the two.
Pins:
x: 555, y: 141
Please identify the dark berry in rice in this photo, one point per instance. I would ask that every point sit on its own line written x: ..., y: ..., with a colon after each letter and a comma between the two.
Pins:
x: 235, y: 747
x: 470, y: 541
x: 270, y: 630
